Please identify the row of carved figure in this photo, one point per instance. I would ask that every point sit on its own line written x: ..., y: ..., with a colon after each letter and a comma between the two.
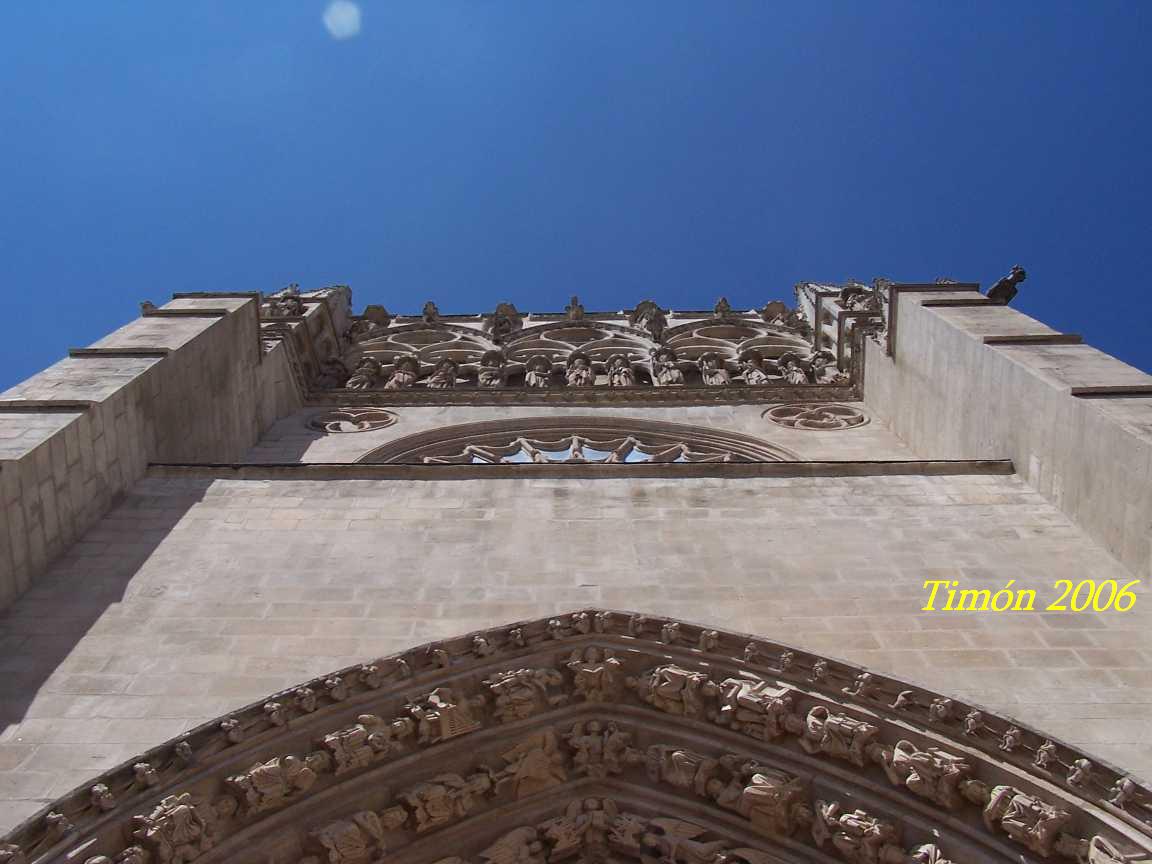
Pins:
x: 579, y: 370
x: 755, y: 708
x: 648, y: 317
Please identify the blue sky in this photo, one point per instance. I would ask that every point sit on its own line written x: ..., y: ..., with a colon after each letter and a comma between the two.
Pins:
x: 473, y: 151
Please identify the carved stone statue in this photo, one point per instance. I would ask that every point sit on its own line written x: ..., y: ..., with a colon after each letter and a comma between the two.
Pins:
x: 772, y: 800
x: 620, y: 372
x: 857, y: 836
x: 445, y: 798
x: 268, y: 785
x: 538, y: 372
x: 674, y: 841
x: 722, y: 309
x: 712, y: 371
x: 792, y: 368
x: 601, y: 751
x: 755, y: 707
x: 837, y: 735
x: 584, y: 827
x: 665, y: 369
x: 819, y: 363
x: 178, y: 830
x: 440, y: 715
x: 444, y: 376
x: 359, y: 745
x: 752, y: 362
x: 649, y: 317
x: 580, y: 372
x: 535, y: 764
x: 1026, y: 819
x: 519, y: 846
x: 596, y: 672
x: 352, y: 841
x: 931, y: 773
x: 681, y: 768
x: 520, y: 693
x: 675, y: 691
x: 431, y: 313
x: 405, y: 371
x: 492, y: 370
x: 366, y: 374
x: 574, y: 310
x: 503, y: 322
x: 1006, y: 288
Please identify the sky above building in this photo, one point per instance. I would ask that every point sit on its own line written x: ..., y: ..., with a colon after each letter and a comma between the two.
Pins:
x: 476, y: 151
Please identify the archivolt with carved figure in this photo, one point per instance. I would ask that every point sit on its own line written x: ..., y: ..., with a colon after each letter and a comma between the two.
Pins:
x: 600, y: 736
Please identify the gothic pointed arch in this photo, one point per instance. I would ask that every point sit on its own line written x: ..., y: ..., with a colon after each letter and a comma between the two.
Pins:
x: 579, y: 439
x: 600, y: 736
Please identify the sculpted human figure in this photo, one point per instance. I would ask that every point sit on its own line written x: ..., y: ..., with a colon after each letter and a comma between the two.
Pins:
x: 772, y: 800
x: 596, y: 672
x: 674, y: 690
x: 1026, y: 819
x: 859, y: 837
x: 358, y: 745
x: 712, y: 371
x: 931, y: 773
x: 405, y: 371
x: 350, y: 841
x: 837, y: 735
x: 268, y: 785
x: 520, y: 693
x: 519, y: 846
x: 673, y: 841
x: 492, y: 370
x: 534, y: 765
x: 176, y: 831
x: 665, y: 371
x: 600, y: 751
x: 819, y: 363
x: 580, y: 372
x: 648, y: 316
x: 755, y: 707
x: 574, y: 310
x: 444, y: 376
x: 444, y: 798
x: 620, y: 372
x: 431, y: 313
x: 366, y: 374
x: 504, y: 322
x: 681, y: 768
x: 792, y: 369
x: 752, y: 362
x: 440, y: 715
x: 538, y: 372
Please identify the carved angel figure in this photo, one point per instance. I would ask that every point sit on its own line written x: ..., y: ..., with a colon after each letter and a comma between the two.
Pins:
x: 520, y: 693
x: 752, y: 362
x: 1026, y: 819
x: 674, y: 690
x: 366, y: 374
x: 665, y: 371
x: 674, y: 841
x: 444, y: 376
x: 712, y: 371
x: 580, y: 372
x: 837, y: 735
x: 596, y: 672
x: 620, y: 372
x: 755, y: 707
x: 931, y: 773
x: 538, y: 373
x: 405, y: 371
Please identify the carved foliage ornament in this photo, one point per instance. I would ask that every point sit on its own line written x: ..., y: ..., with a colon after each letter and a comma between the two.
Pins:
x: 352, y: 420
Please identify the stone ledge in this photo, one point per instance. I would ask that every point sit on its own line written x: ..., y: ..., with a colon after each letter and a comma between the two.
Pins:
x: 119, y: 352
x: 358, y: 471
x: 185, y: 313
x: 1035, y: 339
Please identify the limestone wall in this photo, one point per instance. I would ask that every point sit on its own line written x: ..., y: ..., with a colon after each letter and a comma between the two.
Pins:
x: 978, y: 381
x: 201, y: 595
x: 185, y: 383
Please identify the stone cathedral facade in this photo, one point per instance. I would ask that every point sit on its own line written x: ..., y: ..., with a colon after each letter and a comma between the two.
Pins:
x: 857, y: 577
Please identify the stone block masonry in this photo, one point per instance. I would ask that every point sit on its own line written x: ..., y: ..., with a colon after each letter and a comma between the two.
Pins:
x: 200, y: 596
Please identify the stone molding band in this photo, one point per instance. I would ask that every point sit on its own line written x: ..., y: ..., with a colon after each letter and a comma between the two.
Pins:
x: 637, y: 736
